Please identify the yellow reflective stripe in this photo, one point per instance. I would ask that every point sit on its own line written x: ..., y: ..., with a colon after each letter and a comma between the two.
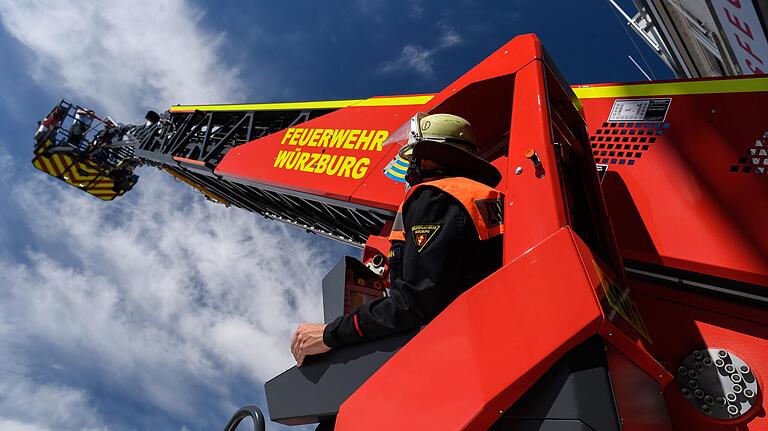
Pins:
x: 744, y: 85
x: 199, y: 187
x: 328, y: 104
x: 395, y: 101
x: 62, y: 164
x: 331, y: 104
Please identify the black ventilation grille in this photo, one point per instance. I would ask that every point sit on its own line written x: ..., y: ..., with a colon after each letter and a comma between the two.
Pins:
x: 625, y: 143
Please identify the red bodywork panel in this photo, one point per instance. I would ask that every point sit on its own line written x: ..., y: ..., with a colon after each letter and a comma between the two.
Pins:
x: 679, y: 197
x: 680, y: 322
x: 679, y: 204
x: 694, y: 196
x: 468, y: 365
x: 255, y: 161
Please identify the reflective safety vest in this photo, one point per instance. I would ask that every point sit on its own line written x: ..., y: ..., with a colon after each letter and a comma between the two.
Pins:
x: 484, y: 204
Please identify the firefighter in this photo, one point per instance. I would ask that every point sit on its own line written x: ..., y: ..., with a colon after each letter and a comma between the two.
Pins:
x: 445, y: 238
x: 77, y: 143
x: 77, y: 132
x: 49, y: 123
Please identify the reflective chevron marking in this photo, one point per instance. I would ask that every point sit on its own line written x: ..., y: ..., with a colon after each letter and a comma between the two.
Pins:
x: 82, y: 175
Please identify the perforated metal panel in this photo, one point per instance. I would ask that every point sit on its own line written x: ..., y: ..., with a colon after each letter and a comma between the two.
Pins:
x: 625, y: 143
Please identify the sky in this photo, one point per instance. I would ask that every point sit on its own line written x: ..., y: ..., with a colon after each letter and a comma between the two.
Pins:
x: 164, y: 311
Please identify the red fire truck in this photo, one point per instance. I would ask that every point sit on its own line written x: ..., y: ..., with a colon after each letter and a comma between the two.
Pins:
x: 635, y: 278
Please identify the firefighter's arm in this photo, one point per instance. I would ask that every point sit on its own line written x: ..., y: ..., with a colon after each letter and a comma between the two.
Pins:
x: 429, y: 278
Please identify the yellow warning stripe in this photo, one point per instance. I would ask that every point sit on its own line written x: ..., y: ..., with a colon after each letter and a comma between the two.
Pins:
x: 103, y: 192
x: 42, y: 165
x: 395, y: 101
x: 82, y: 175
x: 328, y: 104
x: 89, y: 169
x: 331, y: 104
x: 61, y: 163
x: 743, y: 85
x: 215, y: 196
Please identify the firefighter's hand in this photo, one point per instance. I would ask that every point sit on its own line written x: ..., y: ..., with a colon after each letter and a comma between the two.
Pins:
x: 308, y: 340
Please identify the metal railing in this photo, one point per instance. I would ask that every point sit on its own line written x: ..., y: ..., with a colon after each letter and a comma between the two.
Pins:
x: 247, y: 411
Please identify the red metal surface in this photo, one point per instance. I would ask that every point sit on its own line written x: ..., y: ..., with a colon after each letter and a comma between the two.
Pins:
x: 255, y: 161
x: 485, y: 349
x: 639, y: 401
x: 635, y: 353
x: 375, y: 245
x: 680, y: 322
x: 509, y: 58
x: 679, y: 204
x: 534, y: 199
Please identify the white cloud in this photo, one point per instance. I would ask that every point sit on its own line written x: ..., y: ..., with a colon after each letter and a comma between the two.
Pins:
x: 449, y: 38
x: 160, y: 305
x: 9, y: 425
x: 35, y: 406
x: 415, y: 8
x: 159, y: 295
x: 125, y: 56
x: 421, y: 60
x: 413, y: 57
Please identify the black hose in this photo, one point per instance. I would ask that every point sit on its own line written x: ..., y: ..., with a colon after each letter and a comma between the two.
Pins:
x: 252, y: 411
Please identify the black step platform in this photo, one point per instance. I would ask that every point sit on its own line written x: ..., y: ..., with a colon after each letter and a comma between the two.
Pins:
x: 314, y: 392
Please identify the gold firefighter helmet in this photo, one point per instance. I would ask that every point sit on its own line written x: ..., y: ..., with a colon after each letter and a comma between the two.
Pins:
x: 450, y: 141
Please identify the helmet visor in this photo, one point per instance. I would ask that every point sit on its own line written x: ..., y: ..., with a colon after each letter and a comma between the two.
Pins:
x: 406, y: 136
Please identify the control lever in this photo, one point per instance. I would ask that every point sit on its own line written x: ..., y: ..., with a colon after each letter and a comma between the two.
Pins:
x: 531, y: 155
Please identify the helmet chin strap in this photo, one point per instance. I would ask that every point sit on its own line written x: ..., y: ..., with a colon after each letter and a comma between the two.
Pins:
x: 415, y: 175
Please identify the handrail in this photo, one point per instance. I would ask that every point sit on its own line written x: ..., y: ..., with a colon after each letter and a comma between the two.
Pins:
x: 252, y: 411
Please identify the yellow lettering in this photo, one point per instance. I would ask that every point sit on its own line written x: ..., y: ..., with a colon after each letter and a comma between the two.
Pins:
x: 353, y: 134
x: 335, y: 165
x: 339, y: 135
x: 302, y: 160
x: 327, y: 133
x: 288, y: 133
x: 361, y: 167
x: 365, y: 139
x: 282, y: 156
x: 322, y: 164
x: 346, y: 166
x: 381, y: 136
x: 334, y: 169
x: 294, y: 136
x: 315, y: 134
x: 292, y: 160
x: 305, y: 135
x: 311, y: 165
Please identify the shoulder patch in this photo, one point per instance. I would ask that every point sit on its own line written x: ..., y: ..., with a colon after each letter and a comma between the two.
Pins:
x: 491, y: 210
x: 423, y: 234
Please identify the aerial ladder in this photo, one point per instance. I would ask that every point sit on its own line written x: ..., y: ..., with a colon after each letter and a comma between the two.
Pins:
x: 635, y: 278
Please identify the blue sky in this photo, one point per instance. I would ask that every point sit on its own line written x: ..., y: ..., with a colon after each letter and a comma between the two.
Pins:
x: 162, y: 311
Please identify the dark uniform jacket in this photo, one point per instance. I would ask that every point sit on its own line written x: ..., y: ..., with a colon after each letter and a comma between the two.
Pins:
x: 448, y: 239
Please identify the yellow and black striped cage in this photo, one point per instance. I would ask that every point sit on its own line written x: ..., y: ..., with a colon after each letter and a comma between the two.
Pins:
x: 82, y: 174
